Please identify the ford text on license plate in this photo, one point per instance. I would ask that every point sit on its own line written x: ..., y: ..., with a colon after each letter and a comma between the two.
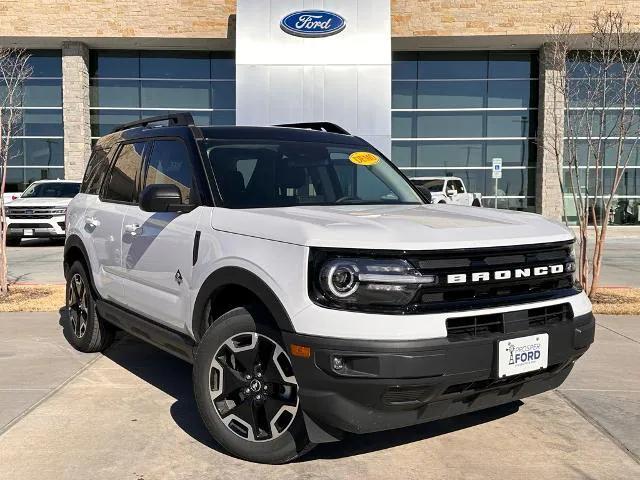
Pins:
x: 523, y: 354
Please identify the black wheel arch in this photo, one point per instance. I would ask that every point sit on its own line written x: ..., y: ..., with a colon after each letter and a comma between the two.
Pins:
x: 74, y: 250
x: 237, y: 277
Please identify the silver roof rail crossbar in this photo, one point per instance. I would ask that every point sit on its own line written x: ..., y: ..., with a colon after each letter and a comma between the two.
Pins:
x: 174, y: 120
x: 320, y: 126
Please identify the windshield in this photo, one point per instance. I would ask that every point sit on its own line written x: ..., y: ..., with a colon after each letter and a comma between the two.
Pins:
x: 254, y: 174
x: 52, y: 189
x: 430, y: 185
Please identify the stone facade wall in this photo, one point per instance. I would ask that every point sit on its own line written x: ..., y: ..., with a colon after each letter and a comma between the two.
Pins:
x: 413, y: 18
x: 75, y: 108
x: 216, y: 18
x: 116, y: 18
x: 550, y: 133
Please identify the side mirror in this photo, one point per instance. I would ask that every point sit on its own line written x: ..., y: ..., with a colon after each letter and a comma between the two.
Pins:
x: 451, y: 191
x: 163, y: 198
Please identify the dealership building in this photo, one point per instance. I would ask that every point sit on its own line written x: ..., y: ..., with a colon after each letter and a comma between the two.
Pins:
x: 443, y: 87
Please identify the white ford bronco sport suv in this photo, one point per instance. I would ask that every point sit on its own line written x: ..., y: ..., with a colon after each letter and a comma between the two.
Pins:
x: 310, y: 285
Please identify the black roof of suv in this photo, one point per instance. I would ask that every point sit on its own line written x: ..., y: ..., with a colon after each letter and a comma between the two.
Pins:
x: 177, y: 122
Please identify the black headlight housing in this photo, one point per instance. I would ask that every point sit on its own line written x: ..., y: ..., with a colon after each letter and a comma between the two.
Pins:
x: 367, y: 283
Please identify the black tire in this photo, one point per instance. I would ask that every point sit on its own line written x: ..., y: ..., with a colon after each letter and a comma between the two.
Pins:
x: 274, y: 447
x: 442, y: 202
x: 13, y: 241
x: 476, y: 203
x: 84, y: 330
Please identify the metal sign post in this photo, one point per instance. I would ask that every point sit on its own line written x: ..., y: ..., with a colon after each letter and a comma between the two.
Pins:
x: 496, y: 173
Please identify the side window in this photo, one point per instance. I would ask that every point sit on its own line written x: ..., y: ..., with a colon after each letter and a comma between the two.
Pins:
x: 124, y: 174
x: 96, y: 171
x: 169, y: 163
x: 457, y: 186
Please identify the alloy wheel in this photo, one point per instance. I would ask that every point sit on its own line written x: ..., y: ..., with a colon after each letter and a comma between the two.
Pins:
x: 77, y: 305
x: 253, y: 389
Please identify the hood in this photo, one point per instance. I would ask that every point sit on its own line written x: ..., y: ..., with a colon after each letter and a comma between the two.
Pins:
x: 394, y: 227
x: 41, y: 202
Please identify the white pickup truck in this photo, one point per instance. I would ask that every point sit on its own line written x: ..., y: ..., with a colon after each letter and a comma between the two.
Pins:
x: 447, y: 190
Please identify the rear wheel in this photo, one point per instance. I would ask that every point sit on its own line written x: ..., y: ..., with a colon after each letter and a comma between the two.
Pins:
x: 13, y: 241
x: 246, y: 391
x: 84, y: 330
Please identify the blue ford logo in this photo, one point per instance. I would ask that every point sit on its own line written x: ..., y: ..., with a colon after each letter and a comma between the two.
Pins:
x: 312, y: 23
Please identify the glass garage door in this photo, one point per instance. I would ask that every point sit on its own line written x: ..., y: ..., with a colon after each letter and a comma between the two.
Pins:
x: 37, y: 149
x: 453, y: 112
x: 129, y: 85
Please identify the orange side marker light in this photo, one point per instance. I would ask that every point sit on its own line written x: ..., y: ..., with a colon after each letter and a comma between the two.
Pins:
x: 300, y: 351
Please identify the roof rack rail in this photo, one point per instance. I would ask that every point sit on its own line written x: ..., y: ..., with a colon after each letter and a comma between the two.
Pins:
x: 174, y: 119
x: 321, y: 126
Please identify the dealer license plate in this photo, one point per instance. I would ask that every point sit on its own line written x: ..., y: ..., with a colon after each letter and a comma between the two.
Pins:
x: 523, y: 354
x: 28, y: 232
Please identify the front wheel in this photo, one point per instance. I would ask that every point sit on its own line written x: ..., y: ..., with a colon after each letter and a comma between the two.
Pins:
x: 84, y: 330
x: 246, y: 391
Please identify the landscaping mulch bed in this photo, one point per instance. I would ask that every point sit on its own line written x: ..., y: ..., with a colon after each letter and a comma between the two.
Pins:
x: 617, y: 301
x: 33, y: 298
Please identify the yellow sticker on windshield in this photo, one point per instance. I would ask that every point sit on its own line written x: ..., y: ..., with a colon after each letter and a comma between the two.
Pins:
x: 364, y: 158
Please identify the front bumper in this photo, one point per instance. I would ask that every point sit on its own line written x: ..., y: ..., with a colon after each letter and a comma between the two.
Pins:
x: 392, y: 384
x: 36, y: 228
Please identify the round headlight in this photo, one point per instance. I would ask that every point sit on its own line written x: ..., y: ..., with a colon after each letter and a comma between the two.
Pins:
x: 341, y: 278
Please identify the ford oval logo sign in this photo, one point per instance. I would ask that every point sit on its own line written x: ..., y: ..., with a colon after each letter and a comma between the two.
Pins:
x: 312, y: 23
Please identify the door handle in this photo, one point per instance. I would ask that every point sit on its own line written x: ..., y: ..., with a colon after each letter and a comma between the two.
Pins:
x: 133, y: 229
x: 91, y: 222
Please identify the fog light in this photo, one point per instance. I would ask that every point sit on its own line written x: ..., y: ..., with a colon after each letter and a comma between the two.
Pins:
x: 338, y: 364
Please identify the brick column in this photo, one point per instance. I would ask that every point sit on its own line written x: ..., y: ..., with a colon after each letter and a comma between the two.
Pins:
x: 75, y: 103
x: 549, y: 201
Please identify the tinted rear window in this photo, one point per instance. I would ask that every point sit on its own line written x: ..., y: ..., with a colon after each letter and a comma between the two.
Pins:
x: 125, y: 173
x: 96, y: 171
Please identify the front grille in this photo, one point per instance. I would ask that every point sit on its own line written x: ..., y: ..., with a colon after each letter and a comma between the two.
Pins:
x: 465, y: 328
x: 30, y: 225
x: 474, y: 326
x: 34, y: 212
x: 445, y: 296
x: 491, y: 383
x: 405, y: 395
x: 418, y: 394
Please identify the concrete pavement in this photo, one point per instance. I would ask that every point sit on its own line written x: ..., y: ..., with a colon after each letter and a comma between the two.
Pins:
x: 621, y: 263
x: 605, y: 384
x: 35, y: 360
x: 36, y: 261
x: 131, y: 414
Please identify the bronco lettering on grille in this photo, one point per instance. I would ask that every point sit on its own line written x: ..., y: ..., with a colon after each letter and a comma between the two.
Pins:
x: 505, y: 274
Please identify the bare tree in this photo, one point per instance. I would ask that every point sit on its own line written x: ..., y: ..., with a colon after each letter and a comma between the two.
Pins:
x: 14, y: 71
x: 595, y: 123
